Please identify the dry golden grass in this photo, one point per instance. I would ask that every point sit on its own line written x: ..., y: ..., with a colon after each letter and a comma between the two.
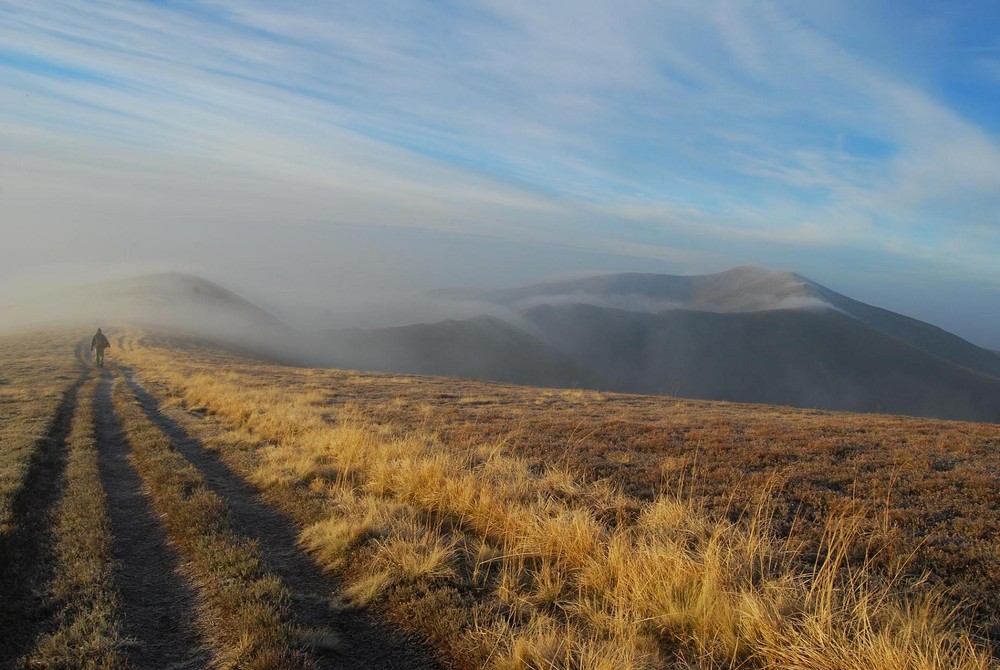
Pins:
x: 936, y: 480
x: 242, y: 608
x: 36, y: 370
x: 87, y: 631
x: 506, y: 561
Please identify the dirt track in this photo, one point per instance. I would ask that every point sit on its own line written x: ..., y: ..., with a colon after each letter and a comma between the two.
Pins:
x: 157, y: 604
x: 364, y: 642
x: 25, y: 555
x: 158, y: 607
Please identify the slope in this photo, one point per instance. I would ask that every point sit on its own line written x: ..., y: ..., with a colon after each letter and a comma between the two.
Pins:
x: 529, y: 531
x: 481, y: 347
x: 804, y: 358
x: 176, y: 301
x: 919, y: 334
x: 743, y: 289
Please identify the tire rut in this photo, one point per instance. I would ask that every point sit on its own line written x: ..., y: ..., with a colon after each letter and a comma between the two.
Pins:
x: 26, y: 561
x: 367, y: 643
x: 158, y: 606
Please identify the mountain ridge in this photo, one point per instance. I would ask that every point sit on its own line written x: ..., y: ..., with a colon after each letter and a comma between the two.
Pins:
x: 725, y: 292
x: 822, y: 359
x: 482, y: 347
x: 748, y: 334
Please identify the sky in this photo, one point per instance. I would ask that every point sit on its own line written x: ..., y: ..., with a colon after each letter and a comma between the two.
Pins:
x: 321, y: 157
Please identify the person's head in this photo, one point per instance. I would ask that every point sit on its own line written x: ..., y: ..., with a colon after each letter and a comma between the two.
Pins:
x: 98, y: 330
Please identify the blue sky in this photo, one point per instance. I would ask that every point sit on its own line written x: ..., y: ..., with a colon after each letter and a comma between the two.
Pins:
x: 381, y: 147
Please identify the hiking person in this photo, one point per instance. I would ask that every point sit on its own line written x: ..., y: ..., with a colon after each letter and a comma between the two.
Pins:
x: 99, y: 343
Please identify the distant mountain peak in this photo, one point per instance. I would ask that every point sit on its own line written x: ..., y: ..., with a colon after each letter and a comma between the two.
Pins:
x: 749, y: 270
x: 748, y: 288
x: 175, y: 300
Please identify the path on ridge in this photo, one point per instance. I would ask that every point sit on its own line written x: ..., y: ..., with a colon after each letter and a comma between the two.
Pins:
x: 26, y: 561
x: 364, y: 641
x: 158, y: 606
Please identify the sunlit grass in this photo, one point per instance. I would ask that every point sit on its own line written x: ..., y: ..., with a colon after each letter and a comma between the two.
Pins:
x: 87, y: 632
x: 506, y: 564
x: 36, y: 370
x: 242, y: 608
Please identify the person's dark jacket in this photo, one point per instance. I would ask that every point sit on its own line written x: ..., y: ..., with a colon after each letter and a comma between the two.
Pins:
x: 99, y: 342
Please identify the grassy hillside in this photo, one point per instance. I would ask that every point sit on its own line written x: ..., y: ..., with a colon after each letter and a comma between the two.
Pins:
x: 519, y: 527
x: 236, y: 513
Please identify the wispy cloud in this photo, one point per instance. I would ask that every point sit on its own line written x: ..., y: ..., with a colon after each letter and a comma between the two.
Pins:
x: 716, y: 130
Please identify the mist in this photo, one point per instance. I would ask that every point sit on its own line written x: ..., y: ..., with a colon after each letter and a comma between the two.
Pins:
x: 317, y: 276
x: 334, y: 167
x: 748, y: 334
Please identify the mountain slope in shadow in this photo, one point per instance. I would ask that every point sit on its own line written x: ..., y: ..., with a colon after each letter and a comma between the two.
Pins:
x: 748, y: 334
x: 919, y: 334
x: 482, y: 347
x: 803, y: 358
x: 744, y: 289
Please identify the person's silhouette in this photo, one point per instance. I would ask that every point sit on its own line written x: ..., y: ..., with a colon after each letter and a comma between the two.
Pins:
x: 99, y: 343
